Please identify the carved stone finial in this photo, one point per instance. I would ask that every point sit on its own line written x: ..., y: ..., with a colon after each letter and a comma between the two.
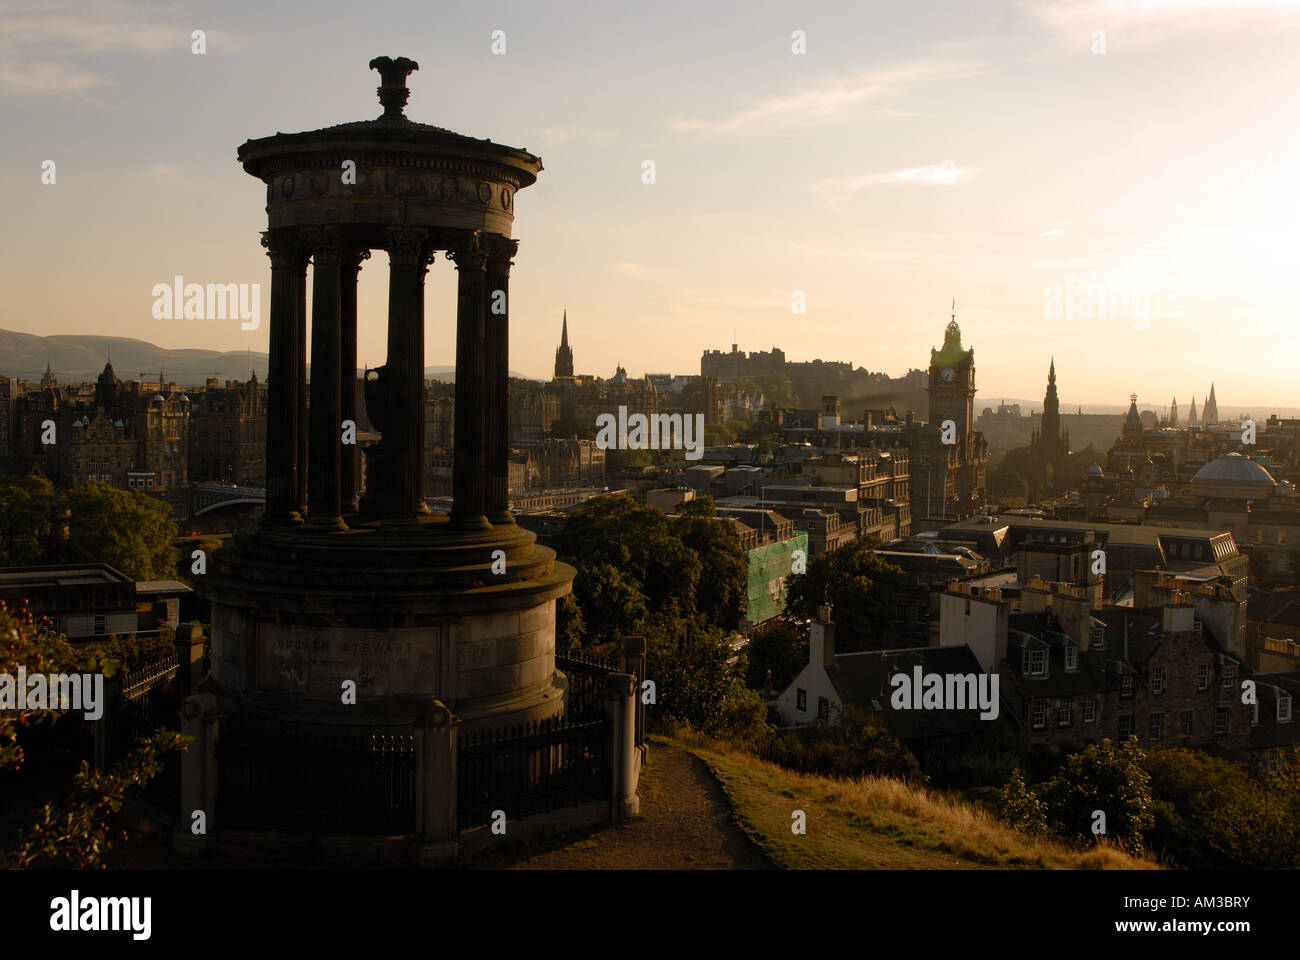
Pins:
x: 392, y: 90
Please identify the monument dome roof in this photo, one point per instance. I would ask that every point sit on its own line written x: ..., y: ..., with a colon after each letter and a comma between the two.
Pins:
x: 1233, y: 475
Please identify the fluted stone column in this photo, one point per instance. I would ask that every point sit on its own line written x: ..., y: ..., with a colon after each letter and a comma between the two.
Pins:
x: 299, y: 298
x: 288, y: 266
x: 326, y: 420
x: 350, y: 469
x: 496, y: 369
x: 408, y: 258
x: 468, y: 483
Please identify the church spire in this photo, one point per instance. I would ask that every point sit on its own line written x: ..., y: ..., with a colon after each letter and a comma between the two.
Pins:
x: 564, y: 355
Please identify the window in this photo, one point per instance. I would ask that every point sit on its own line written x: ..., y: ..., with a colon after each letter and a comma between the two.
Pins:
x: 1229, y: 674
x: 801, y: 700
x: 823, y: 708
x: 1157, y: 680
x: 1196, y: 629
x: 1126, y: 686
x: 1125, y: 728
x: 1157, y: 725
x: 1089, y: 709
x: 1187, y: 723
x: 1071, y: 657
x: 1203, y: 677
x: 1040, y: 714
x: 1099, y: 638
x: 1063, y: 718
x: 922, y: 613
x: 1034, y: 663
x: 99, y: 623
x: 1284, y: 708
x: 900, y: 613
x: 1221, y: 721
x: 1254, y: 714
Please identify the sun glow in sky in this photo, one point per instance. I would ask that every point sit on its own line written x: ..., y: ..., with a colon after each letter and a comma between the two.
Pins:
x: 988, y: 151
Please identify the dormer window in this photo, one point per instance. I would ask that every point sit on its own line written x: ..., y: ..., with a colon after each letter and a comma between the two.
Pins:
x: 1284, y: 708
x: 1229, y: 674
x: 1071, y: 657
x: 1034, y: 663
x: 1099, y: 638
x: 1126, y: 686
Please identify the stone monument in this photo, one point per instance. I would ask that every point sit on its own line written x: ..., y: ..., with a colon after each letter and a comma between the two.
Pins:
x: 339, y: 584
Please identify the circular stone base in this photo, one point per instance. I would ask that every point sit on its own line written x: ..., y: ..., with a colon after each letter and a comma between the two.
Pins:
x: 301, y: 618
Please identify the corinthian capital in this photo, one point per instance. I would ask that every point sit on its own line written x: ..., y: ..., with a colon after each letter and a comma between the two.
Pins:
x: 407, y: 246
x: 499, y: 251
x: 286, y: 248
x: 469, y: 253
x: 327, y: 245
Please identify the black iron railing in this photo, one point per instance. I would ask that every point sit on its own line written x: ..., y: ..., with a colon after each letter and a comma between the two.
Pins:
x: 532, y: 768
x: 315, y: 783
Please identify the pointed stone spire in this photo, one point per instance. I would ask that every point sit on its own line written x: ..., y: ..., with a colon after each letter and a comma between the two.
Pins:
x: 564, y: 355
x: 1191, y: 415
x: 1210, y: 413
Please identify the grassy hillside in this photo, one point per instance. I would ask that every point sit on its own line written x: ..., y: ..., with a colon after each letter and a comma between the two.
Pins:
x: 878, y: 823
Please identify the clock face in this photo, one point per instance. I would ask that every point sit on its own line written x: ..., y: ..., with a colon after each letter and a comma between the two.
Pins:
x: 948, y: 374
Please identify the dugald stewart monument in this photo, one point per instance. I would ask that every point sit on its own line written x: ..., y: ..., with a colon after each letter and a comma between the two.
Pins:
x: 354, y: 612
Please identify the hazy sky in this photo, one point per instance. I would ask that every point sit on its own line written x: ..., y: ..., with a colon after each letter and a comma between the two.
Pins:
x: 918, y: 151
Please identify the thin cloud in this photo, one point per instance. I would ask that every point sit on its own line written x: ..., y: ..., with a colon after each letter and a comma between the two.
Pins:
x: 832, y: 101
x: 942, y: 174
x: 1142, y: 22
x: 44, y: 44
x: 1052, y: 233
x: 558, y: 135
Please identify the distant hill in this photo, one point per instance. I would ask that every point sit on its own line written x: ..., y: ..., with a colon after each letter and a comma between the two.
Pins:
x: 78, y: 357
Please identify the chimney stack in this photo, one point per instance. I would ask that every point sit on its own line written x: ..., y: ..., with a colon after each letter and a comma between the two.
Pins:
x: 821, y: 639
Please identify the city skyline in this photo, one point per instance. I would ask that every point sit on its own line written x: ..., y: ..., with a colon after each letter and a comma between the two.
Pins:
x: 908, y: 157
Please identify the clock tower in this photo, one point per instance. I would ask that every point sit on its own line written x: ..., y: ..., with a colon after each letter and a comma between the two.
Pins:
x: 948, y: 469
x: 952, y: 382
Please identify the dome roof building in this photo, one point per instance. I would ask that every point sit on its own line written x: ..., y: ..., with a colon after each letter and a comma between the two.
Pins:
x: 1235, y: 477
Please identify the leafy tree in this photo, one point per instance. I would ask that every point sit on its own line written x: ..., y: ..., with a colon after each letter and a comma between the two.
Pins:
x: 123, y: 528
x: 852, y: 743
x: 778, y: 390
x: 1017, y: 806
x: 720, y: 595
x: 1212, y: 813
x: 76, y: 829
x: 620, y: 460
x: 695, y: 686
x: 611, y: 604
x: 637, y: 540
x: 25, y: 507
x: 777, y: 650
x: 570, y: 630
x: 718, y: 434
x: 1102, y: 777
x: 857, y: 584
